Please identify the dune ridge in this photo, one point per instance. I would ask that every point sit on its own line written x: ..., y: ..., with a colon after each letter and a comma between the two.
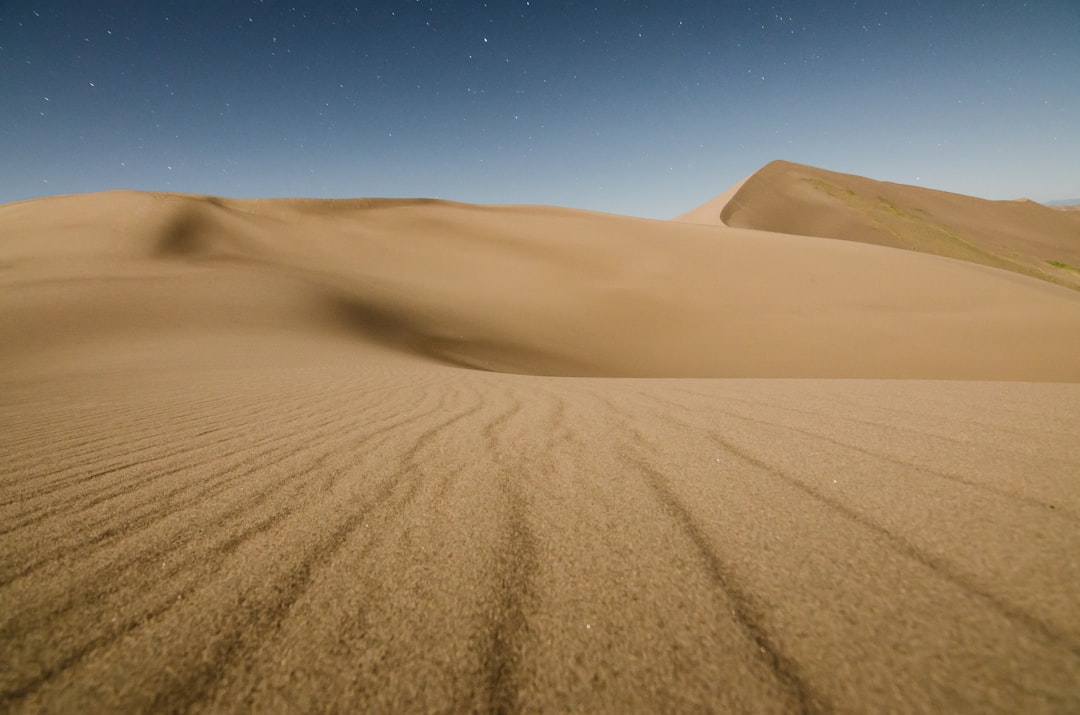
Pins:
x: 413, y: 456
x: 1021, y: 236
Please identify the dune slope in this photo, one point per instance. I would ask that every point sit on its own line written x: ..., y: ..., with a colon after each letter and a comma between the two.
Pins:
x: 520, y: 289
x: 243, y: 466
x: 1020, y: 236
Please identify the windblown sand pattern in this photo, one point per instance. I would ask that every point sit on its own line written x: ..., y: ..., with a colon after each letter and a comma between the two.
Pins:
x: 384, y: 456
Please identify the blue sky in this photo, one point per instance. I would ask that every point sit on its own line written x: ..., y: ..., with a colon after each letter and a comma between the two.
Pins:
x: 641, y: 108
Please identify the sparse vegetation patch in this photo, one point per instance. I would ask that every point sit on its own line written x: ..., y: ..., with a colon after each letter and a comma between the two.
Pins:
x: 1064, y: 266
x: 830, y: 189
x: 895, y: 210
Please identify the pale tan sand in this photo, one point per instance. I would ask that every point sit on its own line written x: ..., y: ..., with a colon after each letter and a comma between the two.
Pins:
x: 521, y: 289
x: 1021, y: 236
x: 243, y: 469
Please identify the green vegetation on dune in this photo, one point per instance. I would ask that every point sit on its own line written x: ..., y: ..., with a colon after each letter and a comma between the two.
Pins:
x: 915, y: 229
x: 907, y: 230
x: 1064, y: 266
x: 830, y: 189
x: 889, y: 207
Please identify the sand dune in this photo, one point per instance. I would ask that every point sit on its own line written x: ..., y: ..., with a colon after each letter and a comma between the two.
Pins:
x: 246, y: 466
x: 522, y: 289
x: 1021, y: 236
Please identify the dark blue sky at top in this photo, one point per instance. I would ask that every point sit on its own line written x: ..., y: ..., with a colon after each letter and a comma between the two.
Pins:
x: 642, y: 108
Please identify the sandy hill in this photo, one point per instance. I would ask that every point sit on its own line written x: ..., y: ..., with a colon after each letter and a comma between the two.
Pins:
x: 385, y: 456
x: 1021, y: 236
x: 520, y: 289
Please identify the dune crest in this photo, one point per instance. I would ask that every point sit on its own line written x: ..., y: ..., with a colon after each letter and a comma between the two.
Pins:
x: 1020, y: 236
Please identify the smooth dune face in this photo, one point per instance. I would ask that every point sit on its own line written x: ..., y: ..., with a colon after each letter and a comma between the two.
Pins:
x: 1021, y: 236
x: 519, y: 289
x: 246, y: 465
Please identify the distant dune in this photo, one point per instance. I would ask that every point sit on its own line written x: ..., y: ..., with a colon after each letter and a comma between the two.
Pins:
x: 531, y: 290
x: 416, y: 456
x: 1021, y: 236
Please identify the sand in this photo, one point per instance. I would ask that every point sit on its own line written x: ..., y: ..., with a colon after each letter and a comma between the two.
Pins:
x: 1021, y: 236
x: 413, y: 456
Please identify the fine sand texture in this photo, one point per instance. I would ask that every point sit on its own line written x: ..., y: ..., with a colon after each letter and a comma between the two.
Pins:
x: 414, y: 456
x: 1021, y: 236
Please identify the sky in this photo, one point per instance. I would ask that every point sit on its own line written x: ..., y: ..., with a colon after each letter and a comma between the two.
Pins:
x: 640, y: 108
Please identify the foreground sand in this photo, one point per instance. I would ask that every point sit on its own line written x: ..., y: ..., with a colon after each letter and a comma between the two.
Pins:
x: 406, y: 538
x: 241, y: 472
